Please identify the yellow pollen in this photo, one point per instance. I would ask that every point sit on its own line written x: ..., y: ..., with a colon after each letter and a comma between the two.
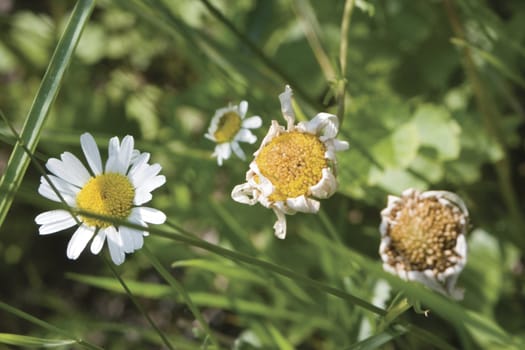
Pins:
x: 108, y: 195
x: 229, y: 126
x: 424, y: 234
x: 293, y: 162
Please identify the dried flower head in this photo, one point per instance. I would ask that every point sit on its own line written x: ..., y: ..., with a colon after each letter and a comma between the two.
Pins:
x: 423, y: 238
x: 293, y: 166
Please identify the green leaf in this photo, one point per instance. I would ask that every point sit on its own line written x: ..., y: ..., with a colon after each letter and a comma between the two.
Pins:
x: 398, y: 149
x: 33, y: 342
x: 438, y: 130
x: 379, y: 339
x: 19, y: 160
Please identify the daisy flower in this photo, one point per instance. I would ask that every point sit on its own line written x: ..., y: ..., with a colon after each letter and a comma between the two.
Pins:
x: 228, y: 127
x: 118, y: 190
x: 423, y: 239
x: 294, y: 166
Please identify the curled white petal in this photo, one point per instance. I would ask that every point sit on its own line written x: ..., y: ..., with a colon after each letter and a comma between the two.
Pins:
x: 286, y: 106
x: 303, y: 204
x: 280, y: 225
x: 326, y: 186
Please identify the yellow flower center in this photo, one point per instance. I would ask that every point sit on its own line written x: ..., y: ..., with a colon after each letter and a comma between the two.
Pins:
x: 229, y: 126
x: 424, y: 234
x: 108, y: 195
x: 293, y: 162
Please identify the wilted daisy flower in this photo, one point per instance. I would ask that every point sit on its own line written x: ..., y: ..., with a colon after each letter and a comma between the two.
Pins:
x: 228, y: 127
x: 118, y: 190
x: 293, y: 166
x: 423, y: 238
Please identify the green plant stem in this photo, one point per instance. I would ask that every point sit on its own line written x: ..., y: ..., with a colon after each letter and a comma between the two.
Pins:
x: 47, y: 92
x: 343, y: 57
x: 491, y: 116
x: 179, y: 288
x: 308, y: 22
x: 138, y: 305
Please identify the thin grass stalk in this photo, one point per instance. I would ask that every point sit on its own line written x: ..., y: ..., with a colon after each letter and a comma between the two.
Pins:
x: 179, y: 288
x: 138, y: 305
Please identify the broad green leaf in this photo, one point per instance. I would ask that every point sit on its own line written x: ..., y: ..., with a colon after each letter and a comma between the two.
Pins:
x: 398, y: 149
x: 436, y: 129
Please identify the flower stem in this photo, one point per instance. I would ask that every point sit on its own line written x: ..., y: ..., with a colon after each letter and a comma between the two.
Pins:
x: 179, y: 288
x: 138, y: 305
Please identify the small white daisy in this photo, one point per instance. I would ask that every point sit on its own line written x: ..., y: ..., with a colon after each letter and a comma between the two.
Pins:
x: 228, y: 127
x: 117, y: 190
x: 293, y: 166
x: 423, y: 239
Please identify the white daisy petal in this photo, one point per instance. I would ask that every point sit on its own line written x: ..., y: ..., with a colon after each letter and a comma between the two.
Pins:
x: 252, y: 122
x: 144, y: 174
x: 152, y: 184
x: 245, y: 135
x: 303, y: 204
x: 222, y: 151
x: 98, y: 242
x: 238, y: 150
x: 127, y: 239
x: 90, y: 149
x: 286, y: 106
x: 150, y: 215
x: 126, y: 150
x: 66, y: 190
x: 326, y: 186
x: 115, y: 245
x: 69, y: 168
x: 112, y: 164
x: 51, y: 222
x: 142, y: 196
x: 79, y: 241
x: 280, y: 225
x: 243, y: 108
x: 51, y: 216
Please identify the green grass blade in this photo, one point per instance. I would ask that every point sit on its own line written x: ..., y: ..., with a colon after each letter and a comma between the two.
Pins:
x: 179, y: 288
x: 47, y: 92
x: 138, y: 305
x: 24, y: 315
x: 33, y: 342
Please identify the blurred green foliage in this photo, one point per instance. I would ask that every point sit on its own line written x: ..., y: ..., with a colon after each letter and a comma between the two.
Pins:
x: 434, y: 100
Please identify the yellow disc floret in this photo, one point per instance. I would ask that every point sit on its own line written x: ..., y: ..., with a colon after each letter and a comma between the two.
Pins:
x: 229, y: 125
x: 108, y: 195
x: 293, y: 162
